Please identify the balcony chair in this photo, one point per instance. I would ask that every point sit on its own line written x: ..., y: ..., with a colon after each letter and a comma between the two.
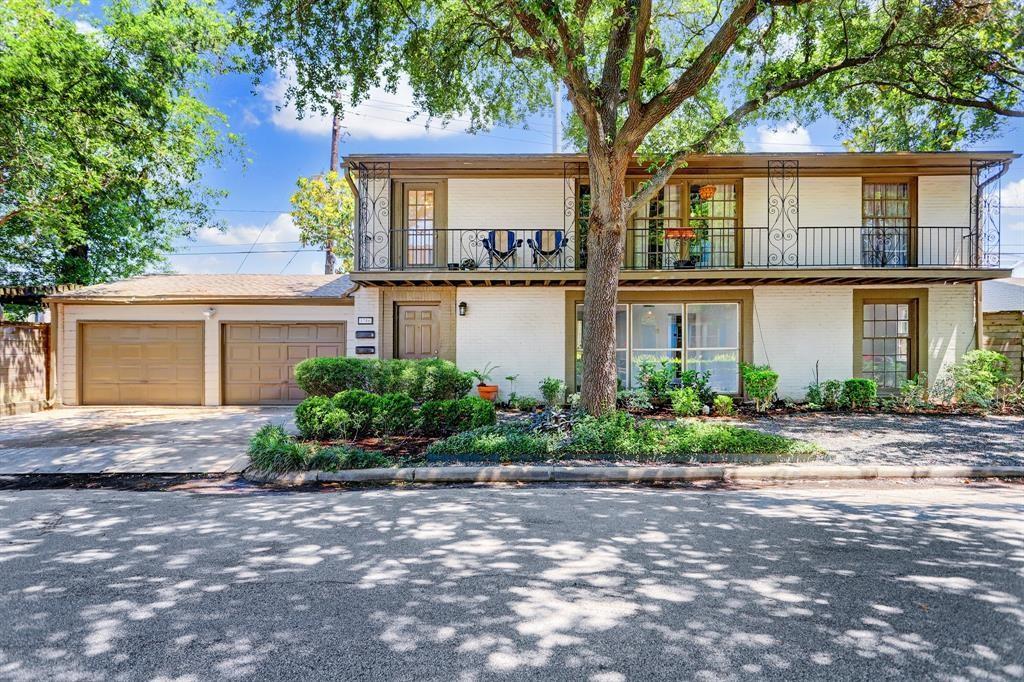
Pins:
x: 501, y: 247
x: 548, y: 248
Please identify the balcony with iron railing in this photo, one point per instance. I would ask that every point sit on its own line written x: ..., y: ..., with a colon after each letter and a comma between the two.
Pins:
x: 679, y: 250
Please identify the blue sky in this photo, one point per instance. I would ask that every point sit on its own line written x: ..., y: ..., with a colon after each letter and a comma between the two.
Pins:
x: 281, y: 147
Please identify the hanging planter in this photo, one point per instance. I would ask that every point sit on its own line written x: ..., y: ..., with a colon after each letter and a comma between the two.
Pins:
x: 707, y: 192
x: 679, y: 233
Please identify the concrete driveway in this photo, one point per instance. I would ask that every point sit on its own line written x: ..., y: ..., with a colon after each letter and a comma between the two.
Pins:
x: 151, y: 440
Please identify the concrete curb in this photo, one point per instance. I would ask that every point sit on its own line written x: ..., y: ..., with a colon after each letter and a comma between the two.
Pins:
x: 635, y: 474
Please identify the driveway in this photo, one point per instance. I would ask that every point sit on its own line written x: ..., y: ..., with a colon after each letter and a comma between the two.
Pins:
x: 152, y: 440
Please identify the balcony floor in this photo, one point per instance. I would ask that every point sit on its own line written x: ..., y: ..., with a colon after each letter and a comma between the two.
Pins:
x: 697, y: 277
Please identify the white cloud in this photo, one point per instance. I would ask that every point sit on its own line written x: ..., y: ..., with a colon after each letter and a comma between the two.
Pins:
x: 1012, y: 193
x: 278, y: 229
x: 84, y: 27
x: 788, y: 136
x: 383, y: 116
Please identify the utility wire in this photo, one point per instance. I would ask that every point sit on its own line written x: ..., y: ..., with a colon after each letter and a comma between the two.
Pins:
x: 262, y: 229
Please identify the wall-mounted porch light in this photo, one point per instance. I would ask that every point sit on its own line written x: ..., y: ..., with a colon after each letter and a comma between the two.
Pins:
x: 462, y: 308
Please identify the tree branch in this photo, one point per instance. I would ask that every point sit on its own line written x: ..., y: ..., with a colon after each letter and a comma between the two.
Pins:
x: 636, y: 69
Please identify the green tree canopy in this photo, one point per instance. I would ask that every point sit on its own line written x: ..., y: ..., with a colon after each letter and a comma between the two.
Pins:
x: 323, y: 210
x: 103, y: 135
x: 664, y: 80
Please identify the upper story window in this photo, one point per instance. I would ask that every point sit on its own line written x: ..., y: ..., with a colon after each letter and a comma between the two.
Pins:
x: 887, y: 216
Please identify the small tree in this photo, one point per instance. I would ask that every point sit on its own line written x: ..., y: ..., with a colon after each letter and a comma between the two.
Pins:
x: 323, y: 210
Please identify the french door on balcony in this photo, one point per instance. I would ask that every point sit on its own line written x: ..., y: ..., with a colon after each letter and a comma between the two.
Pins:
x: 687, y: 224
x: 421, y: 216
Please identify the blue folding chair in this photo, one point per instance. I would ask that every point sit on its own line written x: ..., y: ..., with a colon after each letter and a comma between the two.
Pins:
x: 548, y: 248
x: 501, y: 247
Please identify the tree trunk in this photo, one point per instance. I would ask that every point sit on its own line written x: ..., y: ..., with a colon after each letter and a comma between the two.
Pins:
x: 605, y: 245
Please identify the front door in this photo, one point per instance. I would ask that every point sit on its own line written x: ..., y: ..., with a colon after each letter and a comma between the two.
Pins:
x: 418, y: 332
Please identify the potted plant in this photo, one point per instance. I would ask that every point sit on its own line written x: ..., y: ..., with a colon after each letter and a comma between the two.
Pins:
x: 487, y: 391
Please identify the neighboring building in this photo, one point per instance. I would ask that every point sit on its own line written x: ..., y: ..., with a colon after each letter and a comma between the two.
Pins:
x: 1002, y: 295
x: 841, y: 264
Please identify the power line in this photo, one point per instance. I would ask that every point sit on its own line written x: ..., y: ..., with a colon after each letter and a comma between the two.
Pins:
x: 239, y: 253
x: 262, y: 229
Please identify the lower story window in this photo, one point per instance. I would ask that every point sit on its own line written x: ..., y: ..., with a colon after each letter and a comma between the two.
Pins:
x: 886, y: 348
x: 699, y: 336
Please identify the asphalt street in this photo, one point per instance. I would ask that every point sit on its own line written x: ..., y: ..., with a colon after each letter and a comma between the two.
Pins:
x: 868, y: 582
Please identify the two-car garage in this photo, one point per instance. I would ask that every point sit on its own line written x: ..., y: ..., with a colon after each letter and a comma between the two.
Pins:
x: 145, y: 341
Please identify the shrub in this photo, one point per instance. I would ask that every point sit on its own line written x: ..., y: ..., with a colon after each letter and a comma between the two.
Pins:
x: 859, y: 393
x: 981, y: 378
x: 432, y: 379
x: 913, y: 393
x: 814, y: 395
x: 327, y: 376
x: 442, y: 380
x: 700, y: 382
x: 524, y: 403
x: 685, y: 401
x: 361, y: 407
x: 393, y: 413
x: 760, y: 383
x: 832, y: 394
x: 636, y: 400
x: 572, y: 401
x: 656, y: 376
x: 444, y: 417
x: 271, y: 449
x: 338, y: 457
x: 616, y: 433
x: 724, y: 406
x: 318, y: 418
x: 507, y: 442
x: 553, y: 391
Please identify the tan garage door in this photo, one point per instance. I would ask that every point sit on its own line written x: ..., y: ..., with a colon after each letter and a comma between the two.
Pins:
x: 141, y: 363
x: 260, y: 359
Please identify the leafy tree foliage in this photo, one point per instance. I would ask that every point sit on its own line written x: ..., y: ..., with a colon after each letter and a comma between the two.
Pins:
x: 103, y: 135
x: 662, y: 80
x: 323, y: 210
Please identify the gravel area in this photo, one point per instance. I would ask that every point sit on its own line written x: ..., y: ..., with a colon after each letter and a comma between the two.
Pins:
x: 906, y: 439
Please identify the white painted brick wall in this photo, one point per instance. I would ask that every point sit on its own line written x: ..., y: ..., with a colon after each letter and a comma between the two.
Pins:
x: 367, y: 304
x: 951, y: 326
x: 522, y: 330
x: 796, y: 326
x: 513, y: 203
x: 73, y: 314
x: 824, y: 202
x: 944, y: 200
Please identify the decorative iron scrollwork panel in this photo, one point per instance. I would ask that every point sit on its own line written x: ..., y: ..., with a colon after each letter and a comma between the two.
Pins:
x: 783, y: 213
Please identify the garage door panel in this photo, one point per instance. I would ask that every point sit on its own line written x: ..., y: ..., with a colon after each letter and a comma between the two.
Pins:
x: 260, y: 359
x: 141, y: 363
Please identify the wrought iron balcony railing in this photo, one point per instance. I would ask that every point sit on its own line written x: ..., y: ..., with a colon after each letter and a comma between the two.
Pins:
x: 668, y: 248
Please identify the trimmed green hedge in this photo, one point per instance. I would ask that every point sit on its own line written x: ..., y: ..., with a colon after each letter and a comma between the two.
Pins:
x: 445, y: 417
x: 421, y: 380
x: 271, y: 449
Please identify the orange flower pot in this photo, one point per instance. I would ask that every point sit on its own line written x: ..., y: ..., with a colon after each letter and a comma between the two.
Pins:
x: 487, y: 391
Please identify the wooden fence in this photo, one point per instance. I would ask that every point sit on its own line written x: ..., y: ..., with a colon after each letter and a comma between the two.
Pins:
x: 1004, y: 332
x: 24, y: 367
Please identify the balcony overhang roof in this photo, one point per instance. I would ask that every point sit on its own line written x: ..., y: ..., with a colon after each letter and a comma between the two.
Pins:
x: 811, y: 163
x: 686, y: 278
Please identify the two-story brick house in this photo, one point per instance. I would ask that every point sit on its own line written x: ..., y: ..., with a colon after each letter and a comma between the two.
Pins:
x: 841, y: 264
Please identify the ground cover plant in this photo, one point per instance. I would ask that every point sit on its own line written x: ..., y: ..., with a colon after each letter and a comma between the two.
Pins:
x: 618, y: 435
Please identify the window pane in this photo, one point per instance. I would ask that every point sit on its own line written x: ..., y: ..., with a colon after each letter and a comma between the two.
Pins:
x: 723, y: 365
x: 887, y: 342
x: 712, y: 325
x: 639, y: 355
x: 657, y: 326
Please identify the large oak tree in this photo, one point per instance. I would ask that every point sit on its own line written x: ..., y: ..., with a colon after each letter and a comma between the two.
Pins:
x: 662, y: 80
